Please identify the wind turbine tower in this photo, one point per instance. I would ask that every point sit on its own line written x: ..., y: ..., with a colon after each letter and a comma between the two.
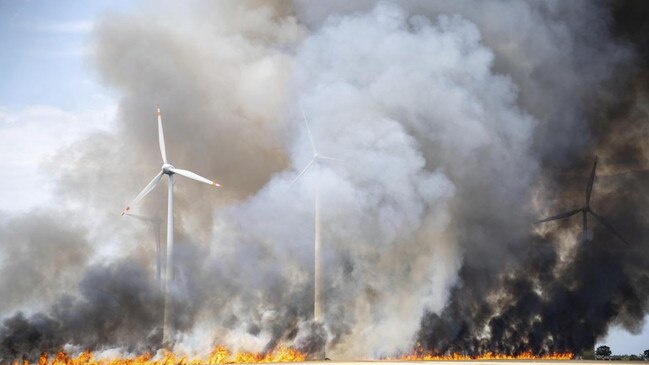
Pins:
x: 169, y: 170
x: 317, y: 279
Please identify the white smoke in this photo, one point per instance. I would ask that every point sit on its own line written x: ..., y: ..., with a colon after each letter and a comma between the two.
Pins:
x: 433, y: 110
x: 411, y: 107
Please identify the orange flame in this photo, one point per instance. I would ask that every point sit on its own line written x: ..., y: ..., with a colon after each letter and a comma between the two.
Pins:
x: 419, y: 355
x: 220, y: 355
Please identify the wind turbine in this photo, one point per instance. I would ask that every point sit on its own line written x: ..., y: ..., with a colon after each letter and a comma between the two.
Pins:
x: 170, y: 171
x: 317, y: 285
x: 155, y: 223
x: 585, y: 210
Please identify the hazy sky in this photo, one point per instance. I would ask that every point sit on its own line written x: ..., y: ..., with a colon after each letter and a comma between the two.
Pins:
x: 50, y: 96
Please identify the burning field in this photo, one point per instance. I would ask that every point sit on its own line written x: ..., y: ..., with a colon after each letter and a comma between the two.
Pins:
x: 383, y: 168
x: 222, y: 355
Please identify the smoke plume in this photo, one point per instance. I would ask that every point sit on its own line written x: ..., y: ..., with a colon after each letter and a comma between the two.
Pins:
x: 454, y: 125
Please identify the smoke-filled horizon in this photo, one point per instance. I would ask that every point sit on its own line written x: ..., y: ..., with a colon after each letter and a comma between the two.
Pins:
x: 455, y: 126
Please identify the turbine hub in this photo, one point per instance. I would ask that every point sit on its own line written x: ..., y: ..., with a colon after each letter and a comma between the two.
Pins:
x: 166, y: 168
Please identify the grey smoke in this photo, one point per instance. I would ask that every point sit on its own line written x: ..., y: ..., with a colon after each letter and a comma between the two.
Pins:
x: 455, y: 122
x: 117, y: 304
x: 41, y: 254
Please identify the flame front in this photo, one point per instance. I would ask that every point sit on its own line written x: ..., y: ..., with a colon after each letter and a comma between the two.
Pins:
x: 418, y: 355
x: 220, y: 355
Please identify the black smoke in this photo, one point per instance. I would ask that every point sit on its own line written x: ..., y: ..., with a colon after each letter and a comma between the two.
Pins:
x: 118, y: 305
x: 456, y: 123
x: 562, y: 297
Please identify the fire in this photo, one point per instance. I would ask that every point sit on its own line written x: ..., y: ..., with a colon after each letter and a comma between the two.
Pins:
x: 419, y: 355
x: 220, y: 355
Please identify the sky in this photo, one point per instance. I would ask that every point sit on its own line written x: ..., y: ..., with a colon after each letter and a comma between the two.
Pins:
x: 51, y: 96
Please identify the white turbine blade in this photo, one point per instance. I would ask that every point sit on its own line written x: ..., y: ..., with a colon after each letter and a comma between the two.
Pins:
x: 193, y: 176
x: 308, y: 131
x: 328, y: 158
x: 161, y: 136
x: 303, y: 171
x: 144, y: 191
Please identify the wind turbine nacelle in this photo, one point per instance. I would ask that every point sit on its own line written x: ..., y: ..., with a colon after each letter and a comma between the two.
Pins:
x: 166, y: 168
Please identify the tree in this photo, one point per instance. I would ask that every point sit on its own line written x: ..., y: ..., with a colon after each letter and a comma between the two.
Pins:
x: 603, y: 352
x: 645, y: 354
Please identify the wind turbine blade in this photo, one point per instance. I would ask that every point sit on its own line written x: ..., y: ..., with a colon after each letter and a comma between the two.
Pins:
x: 303, y: 171
x: 589, y: 187
x: 193, y: 176
x: 161, y: 136
x: 328, y: 158
x: 607, y: 225
x: 139, y: 217
x: 560, y: 216
x: 144, y: 191
x: 308, y: 131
